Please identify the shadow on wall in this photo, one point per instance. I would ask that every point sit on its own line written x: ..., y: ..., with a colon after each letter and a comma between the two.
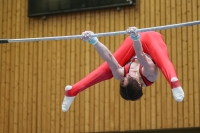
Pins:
x: 178, y: 130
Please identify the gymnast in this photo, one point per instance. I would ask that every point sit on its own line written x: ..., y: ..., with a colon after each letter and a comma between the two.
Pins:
x: 136, y: 64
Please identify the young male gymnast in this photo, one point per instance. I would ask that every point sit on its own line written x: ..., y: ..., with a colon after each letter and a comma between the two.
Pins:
x: 135, y: 64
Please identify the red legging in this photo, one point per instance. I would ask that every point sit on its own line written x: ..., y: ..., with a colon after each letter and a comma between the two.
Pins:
x: 152, y: 43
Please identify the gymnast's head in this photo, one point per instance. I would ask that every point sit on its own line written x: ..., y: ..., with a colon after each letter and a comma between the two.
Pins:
x: 130, y: 89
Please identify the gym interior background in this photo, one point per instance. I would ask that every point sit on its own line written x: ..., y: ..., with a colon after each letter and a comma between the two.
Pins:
x: 33, y: 75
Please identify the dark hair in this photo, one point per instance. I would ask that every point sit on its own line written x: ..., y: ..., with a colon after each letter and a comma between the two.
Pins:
x: 132, y: 91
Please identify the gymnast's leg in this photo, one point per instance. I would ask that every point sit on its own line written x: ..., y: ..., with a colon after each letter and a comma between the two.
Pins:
x: 123, y: 54
x: 157, y: 49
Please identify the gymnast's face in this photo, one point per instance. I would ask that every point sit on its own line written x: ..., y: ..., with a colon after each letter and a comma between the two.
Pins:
x: 125, y: 81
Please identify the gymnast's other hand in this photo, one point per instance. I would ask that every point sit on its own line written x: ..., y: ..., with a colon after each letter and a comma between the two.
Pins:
x: 132, y: 31
x: 87, y: 37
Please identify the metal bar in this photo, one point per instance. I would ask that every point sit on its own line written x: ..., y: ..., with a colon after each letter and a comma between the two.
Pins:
x: 98, y: 34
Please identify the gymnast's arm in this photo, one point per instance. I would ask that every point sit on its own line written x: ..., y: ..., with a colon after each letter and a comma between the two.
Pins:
x: 143, y: 59
x: 116, y: 68
x: 150, y: 70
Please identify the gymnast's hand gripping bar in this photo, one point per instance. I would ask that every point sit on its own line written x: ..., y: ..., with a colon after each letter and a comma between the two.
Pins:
x: 98, y: 34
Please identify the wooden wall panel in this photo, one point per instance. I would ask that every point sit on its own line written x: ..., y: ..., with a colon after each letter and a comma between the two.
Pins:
x: 190, y: 65
x: 33, y: 75
x: 1, y: 90
x: 179, y: 61
x: 185, y: 64
x: 196, y: 34
x: 174, y: 59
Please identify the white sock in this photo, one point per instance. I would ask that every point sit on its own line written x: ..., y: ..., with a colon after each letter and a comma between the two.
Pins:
x: 178, y: 92
x: 67, y: 101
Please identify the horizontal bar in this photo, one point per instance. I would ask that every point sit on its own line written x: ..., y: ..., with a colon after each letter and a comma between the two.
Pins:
x: 4, y: 41
x: 98, y: 34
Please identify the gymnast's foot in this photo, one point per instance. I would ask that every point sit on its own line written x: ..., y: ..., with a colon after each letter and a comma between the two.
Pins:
x: 177, y: 91
x: 67, y: 101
